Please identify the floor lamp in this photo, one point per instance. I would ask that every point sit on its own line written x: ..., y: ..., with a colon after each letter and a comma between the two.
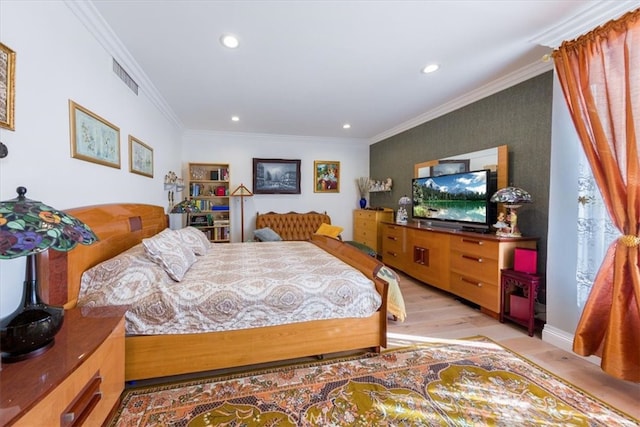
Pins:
x: 241, y: 192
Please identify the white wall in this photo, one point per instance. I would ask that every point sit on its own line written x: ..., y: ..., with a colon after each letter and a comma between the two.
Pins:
x: 239, y: 150
x: 562, y: 241
x: 57, y: 60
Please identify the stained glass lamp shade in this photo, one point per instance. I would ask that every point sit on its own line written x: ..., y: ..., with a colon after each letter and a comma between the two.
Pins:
x: 28, y: 227
x: 185, y: 206
x: 512, y: 198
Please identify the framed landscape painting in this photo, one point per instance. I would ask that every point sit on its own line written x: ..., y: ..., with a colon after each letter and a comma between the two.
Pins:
x: 276, y: 176
x: 93, y: 138
x: 326, y: 176
x: 140, y: 157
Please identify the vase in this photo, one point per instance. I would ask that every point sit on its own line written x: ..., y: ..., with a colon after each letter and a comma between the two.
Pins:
x: 363, y: 202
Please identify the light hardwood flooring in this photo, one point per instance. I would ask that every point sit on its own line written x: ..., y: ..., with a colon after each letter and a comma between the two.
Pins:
x: 432, y: 313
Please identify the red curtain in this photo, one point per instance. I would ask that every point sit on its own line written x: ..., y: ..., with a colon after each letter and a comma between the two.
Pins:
x: 600, y: 77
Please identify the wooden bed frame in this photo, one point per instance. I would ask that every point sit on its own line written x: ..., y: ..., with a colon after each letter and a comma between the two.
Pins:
x: 121, y: 226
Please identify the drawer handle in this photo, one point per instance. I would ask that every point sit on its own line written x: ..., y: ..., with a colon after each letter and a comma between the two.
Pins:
x: 392, y: 238
x: 78, y: 411
x: 472, y: 258
x: 475, y: 242
x: 392, y: 253
x: 471, y: 282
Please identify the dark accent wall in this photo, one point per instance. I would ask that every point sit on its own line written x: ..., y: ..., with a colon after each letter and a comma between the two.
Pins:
x: 519, y: 117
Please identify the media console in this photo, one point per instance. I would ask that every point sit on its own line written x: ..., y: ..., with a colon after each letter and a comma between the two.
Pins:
x: 466, y: 264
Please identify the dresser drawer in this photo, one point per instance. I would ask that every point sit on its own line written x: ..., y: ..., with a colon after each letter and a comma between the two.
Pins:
x: 394, y: 232
x: 474, y: 246
x: 477, y: 267
x: 363, y: 214
x: 366, y: 225
x: 479, y: 292
x: 366, y: 238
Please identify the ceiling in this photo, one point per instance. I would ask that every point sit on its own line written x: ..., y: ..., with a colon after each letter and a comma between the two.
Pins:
x: 308, y: 67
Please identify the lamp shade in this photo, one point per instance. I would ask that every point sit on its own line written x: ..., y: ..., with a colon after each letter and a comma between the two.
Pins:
x: 185, y: 206
x: 404, y: 201
x: 28, y: 227
x: 511, y: 196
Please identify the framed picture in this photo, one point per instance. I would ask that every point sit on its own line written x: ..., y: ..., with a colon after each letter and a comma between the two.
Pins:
x: 7, y: 87
x: 93, y: 138
x: 140, y: 157
x: 446, y: 167
x: 276, y: 176
x: 326, y: 176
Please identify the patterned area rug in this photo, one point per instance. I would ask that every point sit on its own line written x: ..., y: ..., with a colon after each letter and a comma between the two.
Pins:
x: 471, y: 382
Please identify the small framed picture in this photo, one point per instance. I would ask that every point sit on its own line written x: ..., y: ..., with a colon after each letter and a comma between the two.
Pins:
x: 446, y: 167
x: 140, y: 157
x: 276, y: 176
x: 93, y: 138
x: 7, y: 87
x: 326, y: 176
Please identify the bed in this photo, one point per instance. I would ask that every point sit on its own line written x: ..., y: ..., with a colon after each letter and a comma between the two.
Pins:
x: 120, y: 227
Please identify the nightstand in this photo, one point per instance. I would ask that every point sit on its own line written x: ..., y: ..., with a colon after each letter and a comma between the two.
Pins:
x: 518, y: 293
x: 76, y: 382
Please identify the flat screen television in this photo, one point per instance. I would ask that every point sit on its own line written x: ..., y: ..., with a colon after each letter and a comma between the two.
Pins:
x: 458, y: 200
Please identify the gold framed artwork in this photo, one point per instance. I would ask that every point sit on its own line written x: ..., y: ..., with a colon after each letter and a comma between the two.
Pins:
x: 140, y: 157
x: 7, y: 87
x: 326, y: 176
x: 93, y: 138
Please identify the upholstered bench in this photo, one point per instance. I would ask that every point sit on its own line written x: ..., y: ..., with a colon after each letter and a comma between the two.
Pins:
x: 291, y: 225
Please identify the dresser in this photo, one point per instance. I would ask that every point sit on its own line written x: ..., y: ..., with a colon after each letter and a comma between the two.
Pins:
x: 367, y: 226
x: 76, y: 382
x: 465, y: 264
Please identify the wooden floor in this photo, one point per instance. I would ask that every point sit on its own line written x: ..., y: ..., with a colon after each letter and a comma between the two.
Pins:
x: 432, y: 313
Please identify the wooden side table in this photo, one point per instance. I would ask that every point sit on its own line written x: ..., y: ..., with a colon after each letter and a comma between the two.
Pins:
x: 76, y: 382
x: 518, y: 293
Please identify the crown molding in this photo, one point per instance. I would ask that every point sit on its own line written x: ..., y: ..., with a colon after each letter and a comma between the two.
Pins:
x: 89, y: 16
x: 495, y: 86
x: 271, y: 136
x: 597, y: 14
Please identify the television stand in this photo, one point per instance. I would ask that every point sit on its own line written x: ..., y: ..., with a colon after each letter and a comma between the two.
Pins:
x: 462, y: 263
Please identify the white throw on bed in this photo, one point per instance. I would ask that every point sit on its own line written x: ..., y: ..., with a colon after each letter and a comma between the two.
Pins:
x: 232, y: 286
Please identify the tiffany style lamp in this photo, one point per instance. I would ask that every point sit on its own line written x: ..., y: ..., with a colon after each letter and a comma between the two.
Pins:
x: 512, y: 198
x: 28, y: 227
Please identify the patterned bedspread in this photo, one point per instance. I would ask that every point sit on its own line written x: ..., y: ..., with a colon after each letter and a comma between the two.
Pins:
x: 233, y: 286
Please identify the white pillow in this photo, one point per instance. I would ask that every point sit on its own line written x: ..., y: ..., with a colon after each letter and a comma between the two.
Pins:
x: 166, y: 250
x: 194, y: 239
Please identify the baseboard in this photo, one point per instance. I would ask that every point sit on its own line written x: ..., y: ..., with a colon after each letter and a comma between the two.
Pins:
x: 564, y: 340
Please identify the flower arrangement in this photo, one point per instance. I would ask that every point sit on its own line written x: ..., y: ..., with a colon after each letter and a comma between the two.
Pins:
x: 363, y: 186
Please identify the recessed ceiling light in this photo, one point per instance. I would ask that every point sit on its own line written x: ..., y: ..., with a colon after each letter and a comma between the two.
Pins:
x: 230, y: 41
x: 346, y: 126
x: 235, y: 118
x: 430, y: 68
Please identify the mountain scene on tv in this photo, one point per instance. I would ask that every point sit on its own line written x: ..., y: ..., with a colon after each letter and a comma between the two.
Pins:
x: 458, y: 197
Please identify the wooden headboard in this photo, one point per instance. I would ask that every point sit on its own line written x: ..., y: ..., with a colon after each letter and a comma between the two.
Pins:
x: 118, y: 226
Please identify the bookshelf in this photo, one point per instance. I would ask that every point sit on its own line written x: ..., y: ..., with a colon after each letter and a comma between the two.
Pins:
x: 208, y: 188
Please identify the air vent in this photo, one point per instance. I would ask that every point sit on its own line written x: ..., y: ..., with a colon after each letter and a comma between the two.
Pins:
x: 125, y: 77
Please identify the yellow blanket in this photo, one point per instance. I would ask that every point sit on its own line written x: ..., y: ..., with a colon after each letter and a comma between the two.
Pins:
x: 395, y: 301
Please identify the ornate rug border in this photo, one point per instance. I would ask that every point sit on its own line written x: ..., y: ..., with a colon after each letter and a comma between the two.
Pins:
x: 252, y: 371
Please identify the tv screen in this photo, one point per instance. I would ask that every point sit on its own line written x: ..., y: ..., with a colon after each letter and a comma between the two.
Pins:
x: 459, y: 198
